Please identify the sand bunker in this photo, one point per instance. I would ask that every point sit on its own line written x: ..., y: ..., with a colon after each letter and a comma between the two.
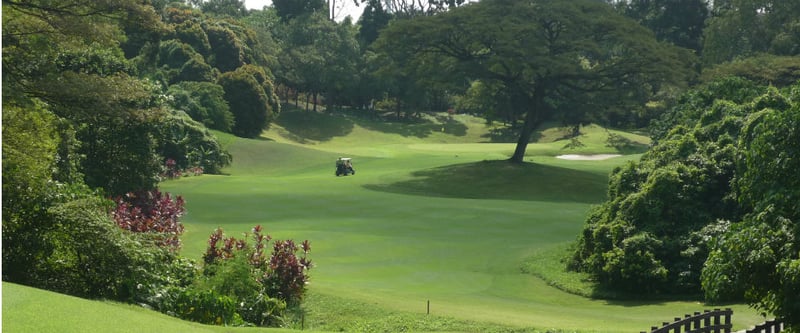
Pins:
x: 595, y: 157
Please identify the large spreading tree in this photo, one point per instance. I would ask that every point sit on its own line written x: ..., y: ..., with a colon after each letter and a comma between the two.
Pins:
x: 542, y: 53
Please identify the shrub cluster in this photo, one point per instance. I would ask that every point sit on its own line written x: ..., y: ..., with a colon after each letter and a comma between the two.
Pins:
x: 190, y: 145
x: 713, y: 206
x: 151, y: 212
x: 238, y: 284
x: 657, y: 228
x: 282, y: 274
x: 171, y: 170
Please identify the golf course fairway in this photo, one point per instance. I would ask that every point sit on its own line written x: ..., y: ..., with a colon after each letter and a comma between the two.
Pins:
x: 428, y: 217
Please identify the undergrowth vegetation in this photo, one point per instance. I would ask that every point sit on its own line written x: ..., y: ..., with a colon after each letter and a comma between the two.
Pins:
x: 709, y: 206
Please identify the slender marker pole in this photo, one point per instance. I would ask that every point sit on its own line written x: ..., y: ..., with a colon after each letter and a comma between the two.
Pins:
x: 429, y: 306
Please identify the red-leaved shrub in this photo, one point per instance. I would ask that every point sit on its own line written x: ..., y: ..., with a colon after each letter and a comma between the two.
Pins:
x: 151, y: 212
x: 283, y: 274
x: 286, y: 277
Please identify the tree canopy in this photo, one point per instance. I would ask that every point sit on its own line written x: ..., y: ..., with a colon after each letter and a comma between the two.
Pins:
x: 680, y: 22
x: 101, y: 97
x: 544, y: 53
x: 743, y: 28
x: 758, y: 257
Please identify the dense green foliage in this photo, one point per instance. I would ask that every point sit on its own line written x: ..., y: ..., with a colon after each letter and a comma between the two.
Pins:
x: 759, y: 257
x: 586, y: 56
x: 101, y: 98
x: 232, y: 8
x: 764, y: 69
x: 108, y: 119
x: 191, y: 145
x: 80, y: 125
x: 81, y: 251
x: 262, y: 285
x: 726, y: 159
x: 289, y: 9
x: 321, y: 58
x: 743, y: 28
x: 680, y: 22
x: 207, y: 62
x: 252, y: 100
x: 204, y: 102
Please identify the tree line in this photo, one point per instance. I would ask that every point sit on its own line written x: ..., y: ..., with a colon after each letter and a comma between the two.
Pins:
x: 104, y: 99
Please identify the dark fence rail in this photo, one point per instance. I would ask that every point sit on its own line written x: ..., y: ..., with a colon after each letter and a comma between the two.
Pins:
x: 771, y: 326
x: 717, y: 321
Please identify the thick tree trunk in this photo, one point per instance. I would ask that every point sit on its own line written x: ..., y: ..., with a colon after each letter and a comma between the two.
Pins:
x: 532, y: 119
x: 524, y: 137
x: 315, y: 101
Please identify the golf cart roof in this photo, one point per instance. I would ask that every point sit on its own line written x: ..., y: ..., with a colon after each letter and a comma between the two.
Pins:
x: 344, y: 158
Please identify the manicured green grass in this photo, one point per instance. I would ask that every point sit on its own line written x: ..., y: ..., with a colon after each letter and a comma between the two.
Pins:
x: 28, y: 309
x: 431, y: 215
x: 428, y: 216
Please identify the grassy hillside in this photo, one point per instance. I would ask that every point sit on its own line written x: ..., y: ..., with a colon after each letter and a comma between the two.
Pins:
x: 430, y: 215
x: 27, y: 309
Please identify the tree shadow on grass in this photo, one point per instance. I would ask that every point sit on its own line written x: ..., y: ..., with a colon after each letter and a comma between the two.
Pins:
x: 418, y: 127
x: 508, y: 134
x: 308, y: 125
x: 452, y: 126
x: 503, y: 180
x: 303, y: 126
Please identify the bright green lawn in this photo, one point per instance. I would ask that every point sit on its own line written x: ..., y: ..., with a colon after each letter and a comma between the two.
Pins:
x: 431, y: 215
x: 428, y: 216
x: 32, y: 310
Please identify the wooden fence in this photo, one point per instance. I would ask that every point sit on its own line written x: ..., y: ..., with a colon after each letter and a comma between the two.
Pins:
x: 717, y: 321
x: 771, y: 326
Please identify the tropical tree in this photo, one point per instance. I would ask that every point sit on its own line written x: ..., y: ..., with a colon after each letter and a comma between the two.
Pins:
x: 251, y: 97
x: 542, y: 52
x: 67, y: 55
x: 406, y: 8
x: 290, y: 9
x: 189, y: 145
x: 766, y: 69
x: 180, y: 62
x: 264, y: 24
x: 759, y: 257
x: 671, y: 220
x: 342, y: 53
x: 743, y: 28
x: 204, y: 102
x: 227, y: 49
x: 320, y: 58
x: 75, y: 114
x: 372, y: 20
x: 680, y: 22
x: 230, y: 8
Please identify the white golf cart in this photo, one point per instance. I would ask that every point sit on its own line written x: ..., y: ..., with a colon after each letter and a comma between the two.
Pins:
x: 344, y: 166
